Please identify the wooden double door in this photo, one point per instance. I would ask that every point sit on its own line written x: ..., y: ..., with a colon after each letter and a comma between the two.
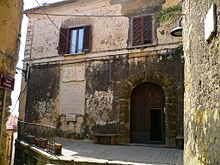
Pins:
x: 147, y: 124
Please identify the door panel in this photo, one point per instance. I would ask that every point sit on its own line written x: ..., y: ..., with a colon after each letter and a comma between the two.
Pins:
x: 139, y: 123
x: 144, y: 98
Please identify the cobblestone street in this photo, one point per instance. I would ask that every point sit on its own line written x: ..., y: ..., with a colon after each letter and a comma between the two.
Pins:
x: 87, y: 151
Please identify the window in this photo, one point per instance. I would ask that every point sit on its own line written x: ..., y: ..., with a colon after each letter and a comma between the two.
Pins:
x: 75, y: 40
x: 142, y: 30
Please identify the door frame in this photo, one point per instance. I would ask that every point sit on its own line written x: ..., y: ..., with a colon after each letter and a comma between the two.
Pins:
x: 163, y: 141
x: 163, y: 130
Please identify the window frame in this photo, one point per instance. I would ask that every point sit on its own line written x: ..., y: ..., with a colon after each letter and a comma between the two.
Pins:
x: 152, y: 42
x: 65, y: 39
x: 76, y: 45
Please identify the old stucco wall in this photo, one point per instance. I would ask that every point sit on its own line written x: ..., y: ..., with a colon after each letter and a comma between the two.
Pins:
x: 104, y: 34
x: 202, y: 86
x: 89, y: 84
x: 43, y: 95
x: 110, y: 22
x: 110, y: 83
x: 10, y: 20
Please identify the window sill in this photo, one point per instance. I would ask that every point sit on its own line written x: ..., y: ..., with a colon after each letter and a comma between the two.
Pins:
x: 142, y: 46
x: 75, y: 54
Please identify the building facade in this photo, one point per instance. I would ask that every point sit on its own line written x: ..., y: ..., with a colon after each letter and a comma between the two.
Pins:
x: 10, y: 18
x: 107, y: 67
x: 202, y: 81
x: 11, y: 127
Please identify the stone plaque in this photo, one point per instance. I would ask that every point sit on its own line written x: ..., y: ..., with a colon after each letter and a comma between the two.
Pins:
x: 74, y: 72
x: 72, y: 98
x: 210, y: 22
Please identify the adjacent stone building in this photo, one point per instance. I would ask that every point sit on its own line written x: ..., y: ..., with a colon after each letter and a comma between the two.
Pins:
x: 10, y: 22
x: 202, y: 82
x: 104, y: 67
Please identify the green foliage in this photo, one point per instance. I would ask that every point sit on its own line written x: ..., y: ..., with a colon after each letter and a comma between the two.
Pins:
x: 170, y: 14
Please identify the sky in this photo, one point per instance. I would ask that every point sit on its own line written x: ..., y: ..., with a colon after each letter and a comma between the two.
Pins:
x: 15, y: 94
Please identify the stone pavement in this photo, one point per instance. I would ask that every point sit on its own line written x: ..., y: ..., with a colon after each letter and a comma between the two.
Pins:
x: 86, y: 151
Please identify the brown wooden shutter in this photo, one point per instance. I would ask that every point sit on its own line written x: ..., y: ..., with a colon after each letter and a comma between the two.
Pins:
x: 147, y: 29
x: 136, y: 36
x: 64, y: 41
x: 87, y: 39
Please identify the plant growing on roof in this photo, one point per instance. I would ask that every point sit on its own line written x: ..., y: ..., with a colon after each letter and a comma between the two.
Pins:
x: 170, y: 14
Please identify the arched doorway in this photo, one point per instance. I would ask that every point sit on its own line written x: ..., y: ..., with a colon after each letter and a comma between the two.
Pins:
x: 147, y: 123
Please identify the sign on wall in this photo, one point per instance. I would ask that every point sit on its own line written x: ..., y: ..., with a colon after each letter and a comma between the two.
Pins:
x: 210, y: 22
x: 6, y: 82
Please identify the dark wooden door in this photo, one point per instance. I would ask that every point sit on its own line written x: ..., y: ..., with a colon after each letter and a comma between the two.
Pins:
x: 147, y: 115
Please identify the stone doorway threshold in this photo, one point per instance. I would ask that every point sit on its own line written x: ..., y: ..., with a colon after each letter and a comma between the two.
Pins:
x: 149, y: 145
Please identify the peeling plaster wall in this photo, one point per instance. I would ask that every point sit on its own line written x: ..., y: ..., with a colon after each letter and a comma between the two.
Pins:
x: 43, y: 95
x: 202, y: 86
x: 46, y: 44
x: 92, y: 87
x: 101, y: 113
x: 108, y: 33
x: 110, y: 83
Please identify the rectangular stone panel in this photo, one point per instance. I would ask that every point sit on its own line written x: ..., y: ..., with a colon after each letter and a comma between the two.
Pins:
x: 72, y: 97
x: 74, y: 72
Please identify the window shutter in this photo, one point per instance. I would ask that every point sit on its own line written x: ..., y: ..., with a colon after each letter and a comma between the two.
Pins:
x: 136, y: 36
x: 64, y: 41
x: 147, y: 29
x: 87, y: 39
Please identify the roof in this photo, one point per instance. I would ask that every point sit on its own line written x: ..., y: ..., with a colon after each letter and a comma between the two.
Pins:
x: 50, y: 5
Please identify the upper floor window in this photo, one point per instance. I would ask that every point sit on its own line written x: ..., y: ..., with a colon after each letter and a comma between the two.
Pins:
x: 142, y: 30
x: 75, y: 40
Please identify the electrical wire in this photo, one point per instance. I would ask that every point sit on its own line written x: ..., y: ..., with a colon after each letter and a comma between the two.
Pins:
x: 74, y: 15
x: 19, y: 97
x: 67, y: 39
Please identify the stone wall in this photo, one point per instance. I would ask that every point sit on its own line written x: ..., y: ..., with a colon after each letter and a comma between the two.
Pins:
x: 202, y: 86
x: 10, y: 22
x: 92, y: 90
x: 110, y: 83
x: 42, y: 94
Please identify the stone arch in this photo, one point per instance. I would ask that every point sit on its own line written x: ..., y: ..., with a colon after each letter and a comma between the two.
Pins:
x: 169, y: 87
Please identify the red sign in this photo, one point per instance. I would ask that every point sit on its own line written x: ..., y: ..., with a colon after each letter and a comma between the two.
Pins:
x: 7, y: 82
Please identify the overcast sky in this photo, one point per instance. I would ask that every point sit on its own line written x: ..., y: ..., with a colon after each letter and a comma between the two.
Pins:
x: 32, y: 3
x: 15, y: 94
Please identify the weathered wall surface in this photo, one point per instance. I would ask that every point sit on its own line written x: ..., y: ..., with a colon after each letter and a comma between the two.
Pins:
x: 43, y: 95
x: 93, y: 90
x: 110, y: 83
x: 109, y: 32
x: 10, y: 21
x: 202, y: 86
x: 110, y: 22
